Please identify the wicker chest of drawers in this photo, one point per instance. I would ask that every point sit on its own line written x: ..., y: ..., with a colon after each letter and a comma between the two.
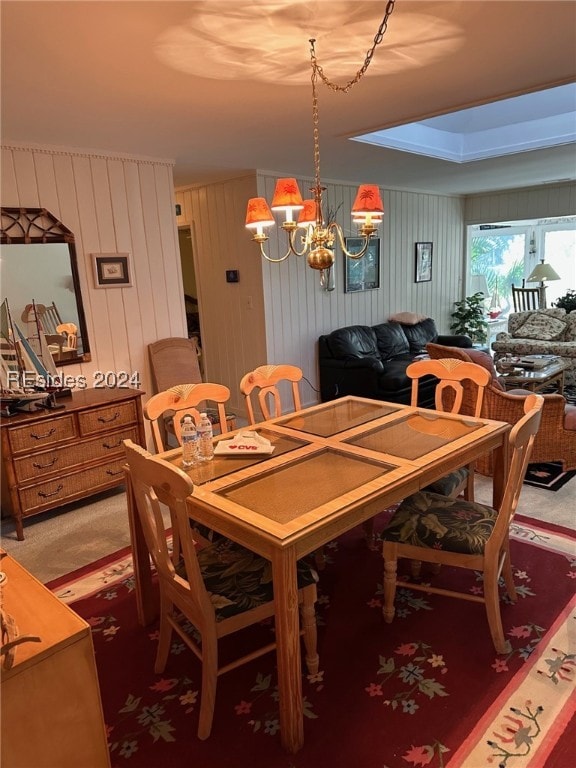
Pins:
x: 53, y: 457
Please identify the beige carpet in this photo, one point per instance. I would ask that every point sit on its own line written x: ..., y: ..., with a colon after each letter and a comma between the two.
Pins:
x: 60, y: 541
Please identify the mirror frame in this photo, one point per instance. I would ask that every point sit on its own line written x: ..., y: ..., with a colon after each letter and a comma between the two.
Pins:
x: 22, y: 226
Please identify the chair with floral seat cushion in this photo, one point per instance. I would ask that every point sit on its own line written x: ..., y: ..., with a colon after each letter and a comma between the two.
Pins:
x: 167, y: 409
x: 440, y: 530
x: 556, y: 438
x: 219, y: 589
x: 452, y: 375
x: 263, y: 382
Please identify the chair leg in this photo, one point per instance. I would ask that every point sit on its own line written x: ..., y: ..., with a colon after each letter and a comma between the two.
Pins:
x: 492, y: 600
x: 508, y: 575
x: 415, y: 568
x: 469, y: 490
x: 390, y: 565
x: 209, y: 680
x: 368, y: 526
x: 165, y: 635
x: 308, y: 619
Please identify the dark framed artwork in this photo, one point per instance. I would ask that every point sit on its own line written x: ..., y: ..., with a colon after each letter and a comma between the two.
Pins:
x: 423, y: 263
x: 362, y: 274
x: 111, y: 270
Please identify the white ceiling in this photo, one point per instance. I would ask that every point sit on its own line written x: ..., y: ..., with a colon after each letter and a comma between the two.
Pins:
x: 223, y: 87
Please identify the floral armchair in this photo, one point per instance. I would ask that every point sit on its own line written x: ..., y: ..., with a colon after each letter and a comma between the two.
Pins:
x: 541, y: 332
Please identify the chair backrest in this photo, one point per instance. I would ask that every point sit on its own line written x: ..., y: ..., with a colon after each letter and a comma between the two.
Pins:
x: 525, y: 299
x: 452, y: 374
x: 264, y: 381
x: 155, y: 482
x: 173, y: 361
x: 70, y: 331
x: 520, y: 441
x: 182, y: 399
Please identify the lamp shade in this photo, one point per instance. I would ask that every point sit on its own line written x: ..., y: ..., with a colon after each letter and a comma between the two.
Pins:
x: 542, y: 272
x: 308, y: 213
x: 368, y: 202
x: 287, y: 196
x: 478, y: 284
x: 258, y: 214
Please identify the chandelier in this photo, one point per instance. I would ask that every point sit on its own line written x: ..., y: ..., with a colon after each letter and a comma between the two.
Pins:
x: 311, y: 234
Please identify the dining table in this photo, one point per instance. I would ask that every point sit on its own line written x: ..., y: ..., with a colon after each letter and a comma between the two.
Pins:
x: 333, y: 466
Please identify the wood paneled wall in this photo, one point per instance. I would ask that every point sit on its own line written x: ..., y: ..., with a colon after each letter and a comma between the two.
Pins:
x: 112, y: 204
x: 548, y: 200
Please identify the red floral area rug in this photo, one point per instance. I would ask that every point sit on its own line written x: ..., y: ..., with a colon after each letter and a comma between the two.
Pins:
x: 426, y: 690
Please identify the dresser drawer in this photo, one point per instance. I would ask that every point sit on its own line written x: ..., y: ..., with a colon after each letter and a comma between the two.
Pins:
x: 58, y: 459
x: 55, y: 492
x: 42, y: 433
x: 104, y: 419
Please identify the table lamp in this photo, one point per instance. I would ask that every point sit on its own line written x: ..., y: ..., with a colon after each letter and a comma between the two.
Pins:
x: 541, y: 273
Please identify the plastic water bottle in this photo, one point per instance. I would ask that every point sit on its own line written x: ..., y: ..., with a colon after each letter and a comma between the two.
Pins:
x: 189, y: 442
x: 205, y: 434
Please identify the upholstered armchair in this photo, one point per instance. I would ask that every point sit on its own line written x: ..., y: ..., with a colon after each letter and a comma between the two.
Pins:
x: 556, y: 438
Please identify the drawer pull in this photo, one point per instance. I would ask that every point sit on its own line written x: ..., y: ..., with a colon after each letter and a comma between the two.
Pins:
x: 103, y: 420
x: 112, y: 473
x: 43, y: 437
x: 110, y: 447
x: 45, y: 466
x: 55, y: 493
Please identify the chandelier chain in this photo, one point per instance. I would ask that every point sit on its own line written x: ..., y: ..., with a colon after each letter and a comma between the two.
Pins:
x: 317, y: 71
x: 379, y: 36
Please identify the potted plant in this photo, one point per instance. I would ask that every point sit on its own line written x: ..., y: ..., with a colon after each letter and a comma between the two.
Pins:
x: 567, y: 302
x: 469, y: 318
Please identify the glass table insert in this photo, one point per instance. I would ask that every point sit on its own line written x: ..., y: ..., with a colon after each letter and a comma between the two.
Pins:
x: 337, y: 417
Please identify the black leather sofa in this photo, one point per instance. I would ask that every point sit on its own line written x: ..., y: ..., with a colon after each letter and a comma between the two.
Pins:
x: 371, y: 361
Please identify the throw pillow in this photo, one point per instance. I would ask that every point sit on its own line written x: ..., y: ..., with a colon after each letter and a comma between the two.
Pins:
x: 407, y: 318
x: 542, y: 327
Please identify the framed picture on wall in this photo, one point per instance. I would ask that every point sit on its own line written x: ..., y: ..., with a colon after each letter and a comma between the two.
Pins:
x: 423, y: 270
x: 111, y: 270
x: 362, y: 274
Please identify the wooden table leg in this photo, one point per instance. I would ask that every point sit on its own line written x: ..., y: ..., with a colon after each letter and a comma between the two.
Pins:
x: 288, y: 649
x: 146, y: 605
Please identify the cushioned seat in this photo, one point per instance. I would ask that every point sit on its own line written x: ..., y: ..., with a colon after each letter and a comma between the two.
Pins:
x: 428, y: 519
x: 239, y: 580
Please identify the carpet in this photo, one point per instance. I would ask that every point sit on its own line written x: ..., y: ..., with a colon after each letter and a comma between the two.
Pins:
x: 426, y: 690
x: 549, y: 475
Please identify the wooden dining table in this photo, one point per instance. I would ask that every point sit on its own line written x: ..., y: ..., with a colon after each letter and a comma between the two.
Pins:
x: 334, y: 465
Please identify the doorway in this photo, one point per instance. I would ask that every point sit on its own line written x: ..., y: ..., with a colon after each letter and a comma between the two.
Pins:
x: 190, y: 288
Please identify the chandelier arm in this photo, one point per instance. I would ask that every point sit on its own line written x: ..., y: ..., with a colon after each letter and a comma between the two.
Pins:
x: 338, y: 229
x: 269, y: 258
x: 292, y: 242
x: 369, y: 54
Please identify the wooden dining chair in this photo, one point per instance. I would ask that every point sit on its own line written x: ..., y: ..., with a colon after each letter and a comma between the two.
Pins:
x: 219, y: 589
x: 441, y: 530
x: 165, y: 410
x: 453, y: 375
x: 262, y: 384
x: 525, y: 299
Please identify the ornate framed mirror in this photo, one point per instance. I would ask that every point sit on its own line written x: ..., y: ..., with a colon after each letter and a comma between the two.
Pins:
x: 39, y: 279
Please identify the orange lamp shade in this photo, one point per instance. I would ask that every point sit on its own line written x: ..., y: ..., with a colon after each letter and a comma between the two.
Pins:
x: 308, y: 213
x: 258, y: 214
x: 368, y: 201
x: 287, y: 196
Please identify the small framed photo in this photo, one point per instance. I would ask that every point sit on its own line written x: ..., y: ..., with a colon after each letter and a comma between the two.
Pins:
x: 423, y: 271
x: 111, y: 270
x: 362, y: 274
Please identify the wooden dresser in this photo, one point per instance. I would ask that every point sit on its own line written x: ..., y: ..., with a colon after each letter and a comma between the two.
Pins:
x: 51, y: 709
x: 53, y: 457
